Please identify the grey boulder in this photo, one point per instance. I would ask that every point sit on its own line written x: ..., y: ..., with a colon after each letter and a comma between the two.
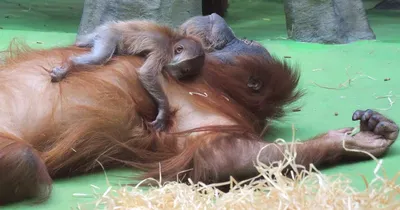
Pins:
x: 327, y: 21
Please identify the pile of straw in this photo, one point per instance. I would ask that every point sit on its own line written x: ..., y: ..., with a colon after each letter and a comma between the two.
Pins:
x: 308, y: 189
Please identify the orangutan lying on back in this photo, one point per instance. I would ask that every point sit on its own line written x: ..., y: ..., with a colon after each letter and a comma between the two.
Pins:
x: 52, y: 130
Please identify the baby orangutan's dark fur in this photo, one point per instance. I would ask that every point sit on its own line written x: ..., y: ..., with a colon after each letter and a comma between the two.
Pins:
x: 50, y: 130
x: 181, y: 56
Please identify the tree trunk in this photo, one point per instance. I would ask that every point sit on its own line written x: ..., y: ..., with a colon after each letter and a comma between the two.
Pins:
x: 388, y: 4
x: 215, y: 6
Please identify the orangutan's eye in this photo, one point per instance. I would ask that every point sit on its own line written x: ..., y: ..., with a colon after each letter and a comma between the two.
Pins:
x: 179, y: 49
x: 254, y: 84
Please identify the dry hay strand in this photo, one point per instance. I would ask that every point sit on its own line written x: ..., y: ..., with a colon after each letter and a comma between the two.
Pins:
x: 304, y: 189
x: 391, y: 99
x: 346, y: 83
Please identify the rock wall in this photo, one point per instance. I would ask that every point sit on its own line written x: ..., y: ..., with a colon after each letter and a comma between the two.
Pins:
x: 327, y: 21
x: 170, y: 12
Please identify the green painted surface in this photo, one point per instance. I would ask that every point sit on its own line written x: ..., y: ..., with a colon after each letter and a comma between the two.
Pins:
x: 47, y: 25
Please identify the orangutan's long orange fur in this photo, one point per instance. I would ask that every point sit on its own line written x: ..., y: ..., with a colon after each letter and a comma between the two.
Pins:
x: 49, y: 130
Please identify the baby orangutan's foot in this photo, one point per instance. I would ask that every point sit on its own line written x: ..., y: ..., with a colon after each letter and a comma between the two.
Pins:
x: 160, y: 123
x: 58, y: 73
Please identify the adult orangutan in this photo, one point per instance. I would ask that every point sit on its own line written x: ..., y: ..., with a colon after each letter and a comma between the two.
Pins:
x: 50, y: 129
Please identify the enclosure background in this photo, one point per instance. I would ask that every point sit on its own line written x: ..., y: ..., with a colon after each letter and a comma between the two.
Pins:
x: 51, y: 23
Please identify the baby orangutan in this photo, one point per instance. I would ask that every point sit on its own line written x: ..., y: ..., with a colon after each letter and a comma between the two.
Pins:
x: 181, y: 56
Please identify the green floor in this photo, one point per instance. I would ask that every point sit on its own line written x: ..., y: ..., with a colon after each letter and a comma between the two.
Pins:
x: 55, y: 24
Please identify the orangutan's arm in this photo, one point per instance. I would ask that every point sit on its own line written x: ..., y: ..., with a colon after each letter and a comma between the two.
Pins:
x: 235, y: 156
